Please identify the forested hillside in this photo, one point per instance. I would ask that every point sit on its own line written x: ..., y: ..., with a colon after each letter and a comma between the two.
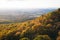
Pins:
x: 45, y: 27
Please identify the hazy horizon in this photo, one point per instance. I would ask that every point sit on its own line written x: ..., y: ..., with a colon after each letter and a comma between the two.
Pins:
x: 23, y: 11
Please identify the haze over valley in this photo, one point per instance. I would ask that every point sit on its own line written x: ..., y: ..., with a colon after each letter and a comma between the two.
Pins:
x: 20, y: 15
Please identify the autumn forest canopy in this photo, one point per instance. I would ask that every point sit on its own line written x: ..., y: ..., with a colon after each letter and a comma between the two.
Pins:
x: 45, y: 27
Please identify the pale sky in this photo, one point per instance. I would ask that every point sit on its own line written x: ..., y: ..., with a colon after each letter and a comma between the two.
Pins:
x: 25, y: 4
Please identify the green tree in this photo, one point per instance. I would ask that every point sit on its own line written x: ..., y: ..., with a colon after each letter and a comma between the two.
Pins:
x: 25, y: 38
x: 42, y: 37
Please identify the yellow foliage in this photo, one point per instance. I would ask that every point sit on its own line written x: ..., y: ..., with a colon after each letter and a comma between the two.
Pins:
x: 48, y: 25
x: 58, y: 38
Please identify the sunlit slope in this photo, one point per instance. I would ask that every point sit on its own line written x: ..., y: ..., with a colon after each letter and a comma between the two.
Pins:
x: 47, y: 24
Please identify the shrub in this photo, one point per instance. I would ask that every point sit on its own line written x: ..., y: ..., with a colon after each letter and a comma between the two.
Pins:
x: 42, y: 37
x: 24, y: 38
